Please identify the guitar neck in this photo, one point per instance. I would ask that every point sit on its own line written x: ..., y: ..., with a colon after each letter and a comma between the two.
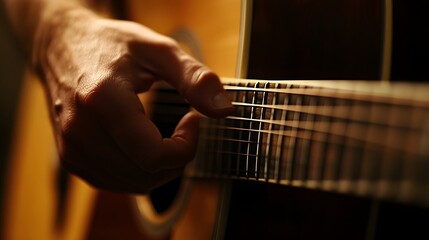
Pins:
x: 366, y: 138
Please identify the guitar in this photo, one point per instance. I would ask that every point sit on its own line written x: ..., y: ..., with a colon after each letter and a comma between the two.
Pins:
x: 307, y: 159
x: 298, y: 159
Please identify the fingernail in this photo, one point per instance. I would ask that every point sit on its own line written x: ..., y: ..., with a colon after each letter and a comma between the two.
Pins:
x: 221, y: 101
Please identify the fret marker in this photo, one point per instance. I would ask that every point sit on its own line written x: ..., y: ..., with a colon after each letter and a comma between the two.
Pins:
x: 221, y: 101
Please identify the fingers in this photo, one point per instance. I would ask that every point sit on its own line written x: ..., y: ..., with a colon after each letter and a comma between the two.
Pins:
x: 199, y: 85
x: 194, y: 81
x: 112, y: 144
x: 121, y: 114
x: 203, y: 90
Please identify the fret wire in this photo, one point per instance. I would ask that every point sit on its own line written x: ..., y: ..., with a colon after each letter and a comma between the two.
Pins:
x: 260, y: 139
x: 422, y: 169
x: 396, y: 160
x: 339, y: 161
x: 260, y: 125
x: 324, y: 144
x: 416, y: 168
x: 242, y: 112
x: 306, y: 150
x: 291, y: 155
x: 353, y: 154
x: 279, y: 149
x: 370, y: 158
x: 392, y: 162
x: 252, y: 111
x: 328, y: 148
x: 268, y: 149
x: 235, y: 146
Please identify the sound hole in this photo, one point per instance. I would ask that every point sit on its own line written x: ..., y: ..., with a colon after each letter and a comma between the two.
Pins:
x: 163, y: 197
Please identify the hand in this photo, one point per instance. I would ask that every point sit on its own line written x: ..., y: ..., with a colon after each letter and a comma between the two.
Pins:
x: 93, y: 68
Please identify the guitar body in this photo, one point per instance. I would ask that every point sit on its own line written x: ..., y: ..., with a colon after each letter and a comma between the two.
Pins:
x: 210, y: 31
x: 293, y: 40
x: 335, y: 39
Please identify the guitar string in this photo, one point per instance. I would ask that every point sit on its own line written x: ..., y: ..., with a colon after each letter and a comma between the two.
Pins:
x: 336, y: 109
x: 360, y: 114
x: 396, y: 94
x: 252, y: 112
x: 359, y: 107
x: 378, y: 130
x: 397, y: 147
x: 320, y: 126
x: 230, y: 170
x: 246, y: 171
x: 259, y: 149
x: 268, y: 149
x: 377, y: 139
x: 322, y: 167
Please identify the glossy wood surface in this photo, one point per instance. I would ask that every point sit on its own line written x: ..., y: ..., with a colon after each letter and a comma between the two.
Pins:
x: 32, y: 196
x: 328, y: 40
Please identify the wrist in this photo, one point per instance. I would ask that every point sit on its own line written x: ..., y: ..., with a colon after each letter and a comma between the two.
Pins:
x: 54, y: 22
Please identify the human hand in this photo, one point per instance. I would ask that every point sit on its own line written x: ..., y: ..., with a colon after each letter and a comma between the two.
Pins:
x: 93, y: 69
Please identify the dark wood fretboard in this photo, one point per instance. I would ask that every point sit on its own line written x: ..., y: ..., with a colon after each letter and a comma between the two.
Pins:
x: 365, y: 138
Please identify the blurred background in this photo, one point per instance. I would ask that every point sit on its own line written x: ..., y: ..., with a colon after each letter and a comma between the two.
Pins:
x: 11, y: 74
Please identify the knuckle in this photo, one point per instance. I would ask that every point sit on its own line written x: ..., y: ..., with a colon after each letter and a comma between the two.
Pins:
x: 69, y: 126
x: 167, y: 45
x: 91, y: 93
x: 121, y: 64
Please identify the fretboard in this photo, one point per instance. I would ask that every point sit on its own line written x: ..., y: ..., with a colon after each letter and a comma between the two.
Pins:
x: 365, y: 138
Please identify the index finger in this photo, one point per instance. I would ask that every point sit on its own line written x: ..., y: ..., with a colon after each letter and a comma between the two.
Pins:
x: 194, y: 81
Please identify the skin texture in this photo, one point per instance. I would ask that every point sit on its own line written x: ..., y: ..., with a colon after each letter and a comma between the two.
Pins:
x: 92, y: 69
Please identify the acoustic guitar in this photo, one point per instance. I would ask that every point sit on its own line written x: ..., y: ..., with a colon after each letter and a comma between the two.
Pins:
x: 343, y: 156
